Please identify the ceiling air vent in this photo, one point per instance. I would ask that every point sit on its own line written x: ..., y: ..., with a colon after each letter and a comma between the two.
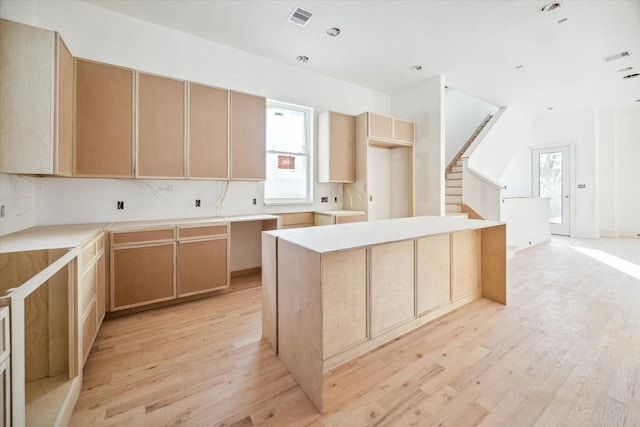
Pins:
x: 299, y: 16
x: 616, y: 56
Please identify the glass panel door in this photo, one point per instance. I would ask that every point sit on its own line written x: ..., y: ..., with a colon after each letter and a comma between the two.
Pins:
x: 551, y: 180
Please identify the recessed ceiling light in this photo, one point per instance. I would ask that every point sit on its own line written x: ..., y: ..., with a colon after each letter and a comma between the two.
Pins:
x: 333, y: 32
x: 630, y: 76
x: 416, y: 68
x: 551, y: 6
x: 550, y: 108
x: 519, y: 66
x: 303, y: 59
x: 562, y: 20
x: 622, y: 70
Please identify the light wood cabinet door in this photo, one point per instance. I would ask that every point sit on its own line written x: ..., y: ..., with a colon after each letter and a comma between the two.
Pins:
x: 161, y: 127
x: 248, y: 137
x: 101, y: 289
x: 392, y: 285
x: 344, y: 300
x: 404, y: 131
x: 208, y: 132
x: 36, y: 101
x: 202, y: 266
x: 104, y: 120
x: 142, y: 275
x: 336, y: 147
x: 64, y: 151
x: 380, y: 126
x: 433, y: 281
x: 465, y: 266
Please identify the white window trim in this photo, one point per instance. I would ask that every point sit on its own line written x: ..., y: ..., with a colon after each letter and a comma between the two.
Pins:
x: 308, y: 111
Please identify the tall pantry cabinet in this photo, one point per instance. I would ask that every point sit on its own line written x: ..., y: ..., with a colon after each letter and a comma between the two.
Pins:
x: 36, y: 101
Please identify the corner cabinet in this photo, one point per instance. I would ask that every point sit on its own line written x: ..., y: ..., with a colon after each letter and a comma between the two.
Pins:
x: 36, y: 101
x: 383, y: 187
x: 336, y: 147
x: 104, y: 120
x: 248, y: 136
x: 153, y: 265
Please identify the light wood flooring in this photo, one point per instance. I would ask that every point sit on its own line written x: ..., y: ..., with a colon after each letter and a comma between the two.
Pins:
x: 565, y: 351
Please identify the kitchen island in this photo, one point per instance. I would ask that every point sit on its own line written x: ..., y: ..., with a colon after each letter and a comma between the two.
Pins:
x: 333, y: 293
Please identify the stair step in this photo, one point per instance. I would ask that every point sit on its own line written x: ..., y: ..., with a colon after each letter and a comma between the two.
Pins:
x: 457, y: 215
x: 453, y: 207
x: 458, y: 162
x: 453, y: 198
x: 451, y: 191
x: 453, y: 183
x: 456, y: 169
x: 454, y: 175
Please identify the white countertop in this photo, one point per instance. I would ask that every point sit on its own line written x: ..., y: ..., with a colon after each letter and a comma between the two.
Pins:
x: 360, y: 234
x: 116, y: 226
x: 49, y: 237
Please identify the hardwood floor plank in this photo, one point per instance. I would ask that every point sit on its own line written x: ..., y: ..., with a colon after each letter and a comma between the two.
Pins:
x: 565, y: 351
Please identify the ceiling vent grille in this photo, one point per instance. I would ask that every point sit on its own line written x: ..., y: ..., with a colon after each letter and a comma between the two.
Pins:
x: 616, y: 56
x: 299, y: 16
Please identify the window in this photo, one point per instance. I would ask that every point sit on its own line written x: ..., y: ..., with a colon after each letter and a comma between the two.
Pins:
x: 289, y: 169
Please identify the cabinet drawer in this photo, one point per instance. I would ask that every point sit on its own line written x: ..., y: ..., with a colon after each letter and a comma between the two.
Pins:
x: 130, y: 237
x: 343, y: 219
x: 204, y: 231
x: 89, y: 330
x: 297, y: 219
x: 87, y: 288
x: 87, y: 255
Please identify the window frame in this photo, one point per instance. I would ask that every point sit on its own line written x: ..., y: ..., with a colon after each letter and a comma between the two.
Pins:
x: 309, y: 117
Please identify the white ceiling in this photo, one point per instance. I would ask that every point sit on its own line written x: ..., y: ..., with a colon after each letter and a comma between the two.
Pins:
x: 476, y: 45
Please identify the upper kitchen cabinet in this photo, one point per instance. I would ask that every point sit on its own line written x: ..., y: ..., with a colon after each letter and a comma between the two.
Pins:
x: 36, y: 101
x: 208, y: 132
x: 389, y: 131
x: 104, y: 120
x: 161, y: 127
x: 336, y: 147
x: 248, y: 135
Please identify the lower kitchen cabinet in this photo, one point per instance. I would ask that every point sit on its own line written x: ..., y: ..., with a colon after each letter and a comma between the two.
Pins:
x: 91, y: 291
x: 202, y: 259
x: 154, y: 265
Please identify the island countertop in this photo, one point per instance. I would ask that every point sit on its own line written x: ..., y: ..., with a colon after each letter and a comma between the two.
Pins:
x: 361, y: 234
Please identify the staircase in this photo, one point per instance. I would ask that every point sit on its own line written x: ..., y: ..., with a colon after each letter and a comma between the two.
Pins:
x: 453, y: 177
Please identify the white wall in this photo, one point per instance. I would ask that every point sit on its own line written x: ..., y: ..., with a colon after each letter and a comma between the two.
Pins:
x: 424, y: 104
x: 607, y: 178
x: 98, y: 34
x: 579, y: 127
x: 502, y: 139
x: 627, y: 172
x: 463, y: 115
x: 527, y: 221
x: 17, y: 196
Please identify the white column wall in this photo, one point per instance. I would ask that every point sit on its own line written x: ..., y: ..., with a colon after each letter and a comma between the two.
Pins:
x: 424, y: 104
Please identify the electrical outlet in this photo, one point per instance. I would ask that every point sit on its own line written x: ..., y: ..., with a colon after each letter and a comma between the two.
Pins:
x: 120, y: 205
x: 324, y: 199
x: 2, y: 211
x: 255, y: 201
x: 197, y: 203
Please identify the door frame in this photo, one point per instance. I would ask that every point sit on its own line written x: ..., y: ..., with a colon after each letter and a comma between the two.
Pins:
x: 572, y: 173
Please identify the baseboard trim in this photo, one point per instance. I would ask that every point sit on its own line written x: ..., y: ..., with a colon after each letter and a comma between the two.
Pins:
x: 246, y: 271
